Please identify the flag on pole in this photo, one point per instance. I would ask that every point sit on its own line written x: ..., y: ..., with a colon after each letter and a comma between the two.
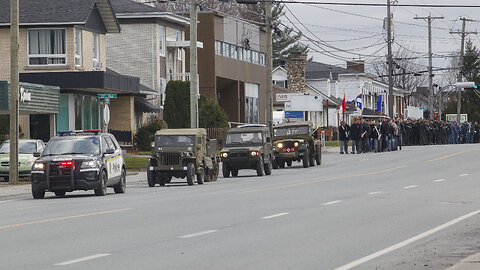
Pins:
x: 344, y: 107
x: 379, y: 105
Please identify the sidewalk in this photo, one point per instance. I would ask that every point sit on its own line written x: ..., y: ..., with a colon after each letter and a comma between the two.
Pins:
x: 469, y: 263
x: 7, y: 190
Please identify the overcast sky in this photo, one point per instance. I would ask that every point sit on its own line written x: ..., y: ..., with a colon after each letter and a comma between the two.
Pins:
x: 354, y: 32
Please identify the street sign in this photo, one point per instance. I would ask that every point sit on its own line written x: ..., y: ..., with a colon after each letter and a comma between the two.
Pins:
x: 107, y: 95
x: 107, y: 100
x: 424, y: 108
x: 293, y: 114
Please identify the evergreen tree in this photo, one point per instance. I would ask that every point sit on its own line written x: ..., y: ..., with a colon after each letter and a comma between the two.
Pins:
x: 210, y: 114
x: 285, y: 39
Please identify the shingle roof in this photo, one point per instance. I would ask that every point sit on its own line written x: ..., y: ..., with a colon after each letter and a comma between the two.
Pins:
x: 129, y: 6
x: 317, y: 70
x: 48, y: 11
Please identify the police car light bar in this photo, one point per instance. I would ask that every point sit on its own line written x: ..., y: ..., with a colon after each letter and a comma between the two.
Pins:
x: 73, y: 132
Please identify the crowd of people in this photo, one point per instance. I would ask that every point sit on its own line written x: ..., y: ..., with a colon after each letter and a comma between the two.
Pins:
x: 389, y: 135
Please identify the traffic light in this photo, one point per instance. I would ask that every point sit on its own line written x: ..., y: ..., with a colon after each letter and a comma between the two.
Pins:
x: 435, y: 116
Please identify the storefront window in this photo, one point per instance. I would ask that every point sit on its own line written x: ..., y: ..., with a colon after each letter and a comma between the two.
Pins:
x: 78, y: 112
x: 87, y: 113
x: 94, y: 113
x: 62, y: 116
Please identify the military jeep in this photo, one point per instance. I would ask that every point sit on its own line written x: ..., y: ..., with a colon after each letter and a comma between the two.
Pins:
x: 294, y: 142
x: 247, y: 147
x: 183, y: 153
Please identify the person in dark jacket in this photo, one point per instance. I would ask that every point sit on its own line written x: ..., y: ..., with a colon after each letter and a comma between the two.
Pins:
x: 344, y: 136
x: 355, y: 136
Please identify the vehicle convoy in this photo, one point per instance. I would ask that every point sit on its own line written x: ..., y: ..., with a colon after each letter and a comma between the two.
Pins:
x: 294, y: 141
x: 183, y: 153
x: 247, y: 147
x: 79, y: 160
x: 26, y: 148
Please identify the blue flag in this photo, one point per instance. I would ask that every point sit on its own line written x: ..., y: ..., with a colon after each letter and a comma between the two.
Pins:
x: 379, y: 105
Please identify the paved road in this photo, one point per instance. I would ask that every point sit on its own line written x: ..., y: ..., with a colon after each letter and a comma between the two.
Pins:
x: 411, y: 209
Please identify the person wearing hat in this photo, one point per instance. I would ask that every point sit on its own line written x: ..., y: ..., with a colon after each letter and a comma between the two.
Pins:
x: 344, y: 136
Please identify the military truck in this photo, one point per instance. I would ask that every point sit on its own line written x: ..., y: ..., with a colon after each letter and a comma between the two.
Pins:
x: 183, y: 153
x: 247, y: 147
x: 294, y: 141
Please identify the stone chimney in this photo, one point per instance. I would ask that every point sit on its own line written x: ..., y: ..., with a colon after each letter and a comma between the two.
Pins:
x: 296, y: 68
x: 357, y: 65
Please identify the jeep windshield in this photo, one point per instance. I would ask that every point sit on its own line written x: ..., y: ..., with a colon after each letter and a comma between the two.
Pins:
x: 290, y: 131
x: 175, y: 140
x: 73, y: 145
x: 23, y: 147
x: 244, y: 138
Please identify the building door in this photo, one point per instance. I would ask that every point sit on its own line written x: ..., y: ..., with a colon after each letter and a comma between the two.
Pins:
x: 40, y: 127
x: 170, y: 64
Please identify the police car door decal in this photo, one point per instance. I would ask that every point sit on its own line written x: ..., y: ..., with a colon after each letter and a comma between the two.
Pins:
x: 114, y: 166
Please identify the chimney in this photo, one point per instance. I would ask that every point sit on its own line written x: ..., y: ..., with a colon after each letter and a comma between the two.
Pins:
x: 296, y: 68
x: 357, y: 65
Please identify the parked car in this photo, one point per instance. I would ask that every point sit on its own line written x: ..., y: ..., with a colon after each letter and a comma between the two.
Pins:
x: 183, y: 153
x: 247, y: 147
x: 294, y: 141
x: 26, y: 148
x: 79, y: 160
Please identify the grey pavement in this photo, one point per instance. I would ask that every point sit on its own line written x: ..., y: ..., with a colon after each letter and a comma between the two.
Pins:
x: 412, y: 209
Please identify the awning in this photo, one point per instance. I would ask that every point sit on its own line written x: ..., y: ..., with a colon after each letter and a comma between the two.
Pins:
x: 142, y: 106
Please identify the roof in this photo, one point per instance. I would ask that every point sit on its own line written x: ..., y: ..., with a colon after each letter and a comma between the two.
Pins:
x: 317, y: 70
x: 129, y: 6
x: 143, y: 106
x: 56, y: 12
x: 248, y: 129
x: 128, y: 9
x: 294, y: 124
x: 182, y: 131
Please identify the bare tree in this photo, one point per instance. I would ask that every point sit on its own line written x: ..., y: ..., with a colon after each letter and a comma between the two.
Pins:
x: 408, y: 72
x: 182, y: 7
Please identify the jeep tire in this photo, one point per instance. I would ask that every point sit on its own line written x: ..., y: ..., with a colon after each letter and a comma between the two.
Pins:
x: 268, y: 167
x: 37, y: 194
x: 234, y: 173
x: 318, y: 159
x: 190, y: 174
x: 259, y: 168
x: 151, y: 178
x: 305, y: 159
x: 225, y: 170
x: 200, y: 177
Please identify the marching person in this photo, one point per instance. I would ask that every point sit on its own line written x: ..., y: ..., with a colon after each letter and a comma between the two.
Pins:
x: 344, y: 135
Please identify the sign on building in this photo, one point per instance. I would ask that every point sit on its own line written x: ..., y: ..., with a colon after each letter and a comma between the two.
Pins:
x: 293, y: 114
x: 451, y: 117
x: 306, y: 103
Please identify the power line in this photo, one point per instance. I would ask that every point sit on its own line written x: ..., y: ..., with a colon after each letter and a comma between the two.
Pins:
x: 369, y: 4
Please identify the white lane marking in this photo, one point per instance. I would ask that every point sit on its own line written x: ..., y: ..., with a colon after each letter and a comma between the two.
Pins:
x: 373, y: 193
x: 84, y: 259
x: 5, y: 201
x: 328, y: 203
x: 439, y: 180
x: 465, y: 174
x: 274, y: 216
x: 197, y: 234
x: 414, y: 186
x: 406, y: 242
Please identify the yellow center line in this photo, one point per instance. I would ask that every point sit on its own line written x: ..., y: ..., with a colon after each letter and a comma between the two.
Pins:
x: 452, y: 155
x: 322, y: 180
x: 63, y: 218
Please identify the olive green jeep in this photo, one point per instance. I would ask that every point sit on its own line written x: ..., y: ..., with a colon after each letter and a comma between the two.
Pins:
x: 183, y: 153
x: 247, y: 147
x: 294, y: 141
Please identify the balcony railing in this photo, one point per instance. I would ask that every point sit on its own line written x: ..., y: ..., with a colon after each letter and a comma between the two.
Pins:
x: 179, y: 77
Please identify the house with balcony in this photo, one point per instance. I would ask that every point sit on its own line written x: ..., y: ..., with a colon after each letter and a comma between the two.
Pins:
x: 63, y: 44
x: 232, y: 66
x: 151, y: 46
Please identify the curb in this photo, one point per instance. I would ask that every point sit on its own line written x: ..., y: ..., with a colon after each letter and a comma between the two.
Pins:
x: 470, y: 263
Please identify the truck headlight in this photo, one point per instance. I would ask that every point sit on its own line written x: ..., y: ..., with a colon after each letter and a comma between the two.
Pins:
x: 90, y: 164
x: 296, y: 144
x: 280, y: 145
x: 254, y: 153
x: 38, y: 166
x: 224, y: 155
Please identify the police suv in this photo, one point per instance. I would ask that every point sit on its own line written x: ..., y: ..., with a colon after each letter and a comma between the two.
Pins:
x: 79, y: 160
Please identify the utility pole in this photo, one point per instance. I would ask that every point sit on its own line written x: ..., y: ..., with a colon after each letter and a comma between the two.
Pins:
x: 14, y: 86
x: 463, y: 34
x: 268, y: 22
x: 429, y: 20
x: 193, y: 66
x: 390, y: 61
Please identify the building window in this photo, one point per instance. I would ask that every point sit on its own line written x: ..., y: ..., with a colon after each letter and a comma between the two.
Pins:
x: 179, y: 50
x: 47, y: 47
x: 252, y: 103
x: 163, y: 86
x: 96, y: 47
x: 226, y: 50
x: 240, y: 53
x: 218, y: 47
x: 263, y: 60
x: 161, y: 40
x: 78, y: 47
x: 255, y: 57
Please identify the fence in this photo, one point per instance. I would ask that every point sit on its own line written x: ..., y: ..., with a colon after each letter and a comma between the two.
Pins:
x: 124, y: 137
